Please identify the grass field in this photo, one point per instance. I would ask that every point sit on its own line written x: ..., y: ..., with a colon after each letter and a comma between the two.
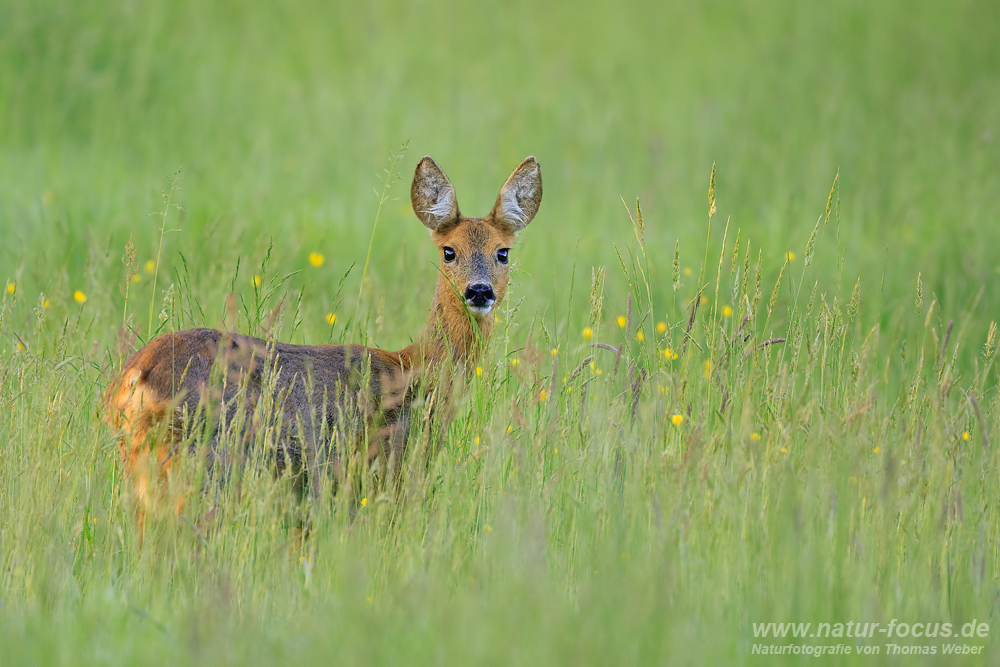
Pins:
x: 644, y: 507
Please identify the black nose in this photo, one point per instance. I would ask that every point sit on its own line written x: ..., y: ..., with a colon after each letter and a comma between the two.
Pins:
x: 479, y: 295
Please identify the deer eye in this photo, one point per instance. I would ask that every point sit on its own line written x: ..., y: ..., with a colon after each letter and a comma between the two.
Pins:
x: 449, y: 254
x: 502, y: 255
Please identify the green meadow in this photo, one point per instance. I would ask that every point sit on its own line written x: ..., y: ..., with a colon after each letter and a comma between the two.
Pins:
x: 745, y: 372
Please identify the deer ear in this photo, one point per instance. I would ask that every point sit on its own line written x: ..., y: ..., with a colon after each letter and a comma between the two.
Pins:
x: 433, y: 196
x: 519, y: 197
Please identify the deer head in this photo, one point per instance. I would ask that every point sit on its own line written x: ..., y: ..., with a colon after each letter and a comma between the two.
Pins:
x: 475, y: 251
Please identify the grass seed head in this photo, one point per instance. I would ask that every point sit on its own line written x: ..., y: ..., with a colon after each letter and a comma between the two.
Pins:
x: 596, y: 294
x: 855, y: 305
x: 677, y: 265
x: 810, y: 245
x: 829, y: 199
x: 711, y: 193
x: 735, y: 263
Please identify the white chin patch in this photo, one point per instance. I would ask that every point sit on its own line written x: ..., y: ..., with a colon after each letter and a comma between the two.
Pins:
x: 480, y: 310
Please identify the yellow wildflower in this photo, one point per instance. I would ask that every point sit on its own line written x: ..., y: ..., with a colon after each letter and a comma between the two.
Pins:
x: 877, y: 449
x: 79, y: 296
x: 136, y: 277
x: 588, y: 333
x: 150, y: 266
x: 638, y: 336
x: 755, y: 436
x: 677, y: 420
x: 515, y: 362
x: 542, y: 395
x: 554, y: 351
x: 784, y: 450
x: 331, y: 318
x: 727, y: 311
x: 316, y: 259
x: 661, y: 327
x: 11, y: 288
x: 479, y: 371
x: 790, y: 256
x: 621, y: 321
x: 687, y: 271
x: 256, y: 281
x: 489, y: 528
x: 965, y: 435
x: 364, y: 501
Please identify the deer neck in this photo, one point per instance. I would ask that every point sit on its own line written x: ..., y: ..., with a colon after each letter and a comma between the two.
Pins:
x: 451, y: 333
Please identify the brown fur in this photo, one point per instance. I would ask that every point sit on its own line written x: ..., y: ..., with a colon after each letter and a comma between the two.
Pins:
x: 172, y: 377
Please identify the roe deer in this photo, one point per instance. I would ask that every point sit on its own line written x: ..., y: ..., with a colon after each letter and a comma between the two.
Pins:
x: 324, y: 392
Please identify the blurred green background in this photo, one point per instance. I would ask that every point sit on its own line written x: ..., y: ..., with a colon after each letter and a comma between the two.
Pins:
x: 282, y: 117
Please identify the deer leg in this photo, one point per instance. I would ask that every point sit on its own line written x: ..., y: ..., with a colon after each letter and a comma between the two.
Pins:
x: 147, y: 470
x: 389, y: 446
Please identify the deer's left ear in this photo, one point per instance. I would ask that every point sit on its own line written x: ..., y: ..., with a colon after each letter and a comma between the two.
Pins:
x: 519, y: 197
x: 433, y: 197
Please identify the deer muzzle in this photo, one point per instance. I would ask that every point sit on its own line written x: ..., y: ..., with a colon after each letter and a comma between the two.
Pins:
x: 480, y: 298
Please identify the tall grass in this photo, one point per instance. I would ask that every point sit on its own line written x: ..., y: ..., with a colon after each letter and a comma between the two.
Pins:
x: 627, y: 497
x: 779, y: 407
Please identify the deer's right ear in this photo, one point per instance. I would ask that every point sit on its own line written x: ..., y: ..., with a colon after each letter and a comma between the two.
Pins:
x: 433, y: 196
x: 520, y: 196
